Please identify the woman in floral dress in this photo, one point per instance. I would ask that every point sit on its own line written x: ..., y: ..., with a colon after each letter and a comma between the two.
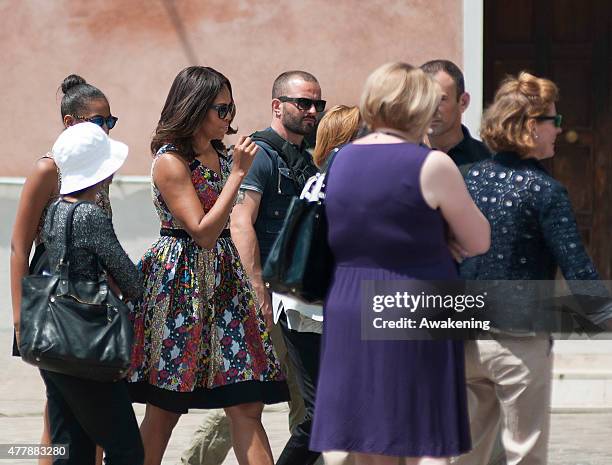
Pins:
x: 200, y: 340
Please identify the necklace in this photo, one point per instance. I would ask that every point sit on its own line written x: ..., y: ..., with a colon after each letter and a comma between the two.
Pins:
x: 396, y: 133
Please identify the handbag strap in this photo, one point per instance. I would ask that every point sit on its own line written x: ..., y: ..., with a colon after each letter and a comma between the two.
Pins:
x: 314, y: 190
x: 68, y: 230
x: 330, y: 158
x: 63, y: 267
x: 325, y: 174
x: 64, y: 264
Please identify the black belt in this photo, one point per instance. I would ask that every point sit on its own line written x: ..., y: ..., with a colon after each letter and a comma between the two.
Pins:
x: 182, y: 234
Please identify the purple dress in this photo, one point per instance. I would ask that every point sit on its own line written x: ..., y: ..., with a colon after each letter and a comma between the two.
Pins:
x: 399, y: 398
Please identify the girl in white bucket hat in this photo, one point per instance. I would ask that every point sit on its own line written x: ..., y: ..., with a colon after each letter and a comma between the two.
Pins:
x: 80, y: 102
x: 84, y: 412
x: 86, y: 156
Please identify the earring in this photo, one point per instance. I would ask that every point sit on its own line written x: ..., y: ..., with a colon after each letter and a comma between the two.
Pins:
x: 535, y: 136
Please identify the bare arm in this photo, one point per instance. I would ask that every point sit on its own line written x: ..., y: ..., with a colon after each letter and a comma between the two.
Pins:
x: 243, y: 234
x: 38, y: 189
x: 443, y: 187
x: 173, y: 179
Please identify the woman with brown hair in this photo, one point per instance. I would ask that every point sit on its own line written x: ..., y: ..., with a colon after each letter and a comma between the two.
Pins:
x: 533, y: 233
x: 302, y: 324
x: 339, y: 125
x: 200, y: 340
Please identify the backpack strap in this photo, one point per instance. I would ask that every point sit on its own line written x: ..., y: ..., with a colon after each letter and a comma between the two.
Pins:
x: 273, y: 140
x: 301, y: 167
x: 270, y: 141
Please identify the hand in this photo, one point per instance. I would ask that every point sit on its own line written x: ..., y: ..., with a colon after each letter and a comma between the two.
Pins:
x: 265, y: 307
x: 244, y: 154
x: 458, y: 253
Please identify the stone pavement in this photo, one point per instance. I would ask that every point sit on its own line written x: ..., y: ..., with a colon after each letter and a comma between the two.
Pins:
x: 22, y: 399
x: 576, y: 439
x: 581, y: 428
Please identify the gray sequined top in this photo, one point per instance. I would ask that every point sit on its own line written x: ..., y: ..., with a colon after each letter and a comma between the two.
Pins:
x: 102, y: 200
x: 94, y: 247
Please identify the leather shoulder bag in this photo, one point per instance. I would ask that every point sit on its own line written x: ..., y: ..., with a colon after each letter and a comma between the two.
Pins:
x: 301, y: 262
x: 78, y: 328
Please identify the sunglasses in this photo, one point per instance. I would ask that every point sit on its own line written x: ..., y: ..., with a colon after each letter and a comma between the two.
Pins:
x: 558, y: 119
x: 223, y: 109
x: 305, y: 104
x: 101, y: 120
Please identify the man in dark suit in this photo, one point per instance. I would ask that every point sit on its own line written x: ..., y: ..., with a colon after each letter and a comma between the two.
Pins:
x: 447, y: 133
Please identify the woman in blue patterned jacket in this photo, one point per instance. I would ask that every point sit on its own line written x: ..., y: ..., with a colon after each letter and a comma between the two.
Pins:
x: 533, y: 232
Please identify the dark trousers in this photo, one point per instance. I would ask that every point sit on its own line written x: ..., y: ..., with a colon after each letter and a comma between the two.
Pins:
x: 303, y: 349
x: 83, y: 413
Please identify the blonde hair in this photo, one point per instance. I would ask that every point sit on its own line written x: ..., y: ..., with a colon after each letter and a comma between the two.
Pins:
x: 338, y: 126
x: 400, y: 96
x: 517, y: 101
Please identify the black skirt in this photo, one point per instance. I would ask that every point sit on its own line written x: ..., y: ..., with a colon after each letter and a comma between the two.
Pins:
x: 243, y: 392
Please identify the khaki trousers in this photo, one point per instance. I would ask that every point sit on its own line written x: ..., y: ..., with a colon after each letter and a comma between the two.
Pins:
x: 211, y: 442
x: 509, y: 386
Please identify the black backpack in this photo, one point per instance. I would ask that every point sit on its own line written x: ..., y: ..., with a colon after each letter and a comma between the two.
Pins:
x: 301, y: 167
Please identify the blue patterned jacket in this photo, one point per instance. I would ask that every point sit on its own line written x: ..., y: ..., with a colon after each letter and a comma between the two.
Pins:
x: 533, y: 229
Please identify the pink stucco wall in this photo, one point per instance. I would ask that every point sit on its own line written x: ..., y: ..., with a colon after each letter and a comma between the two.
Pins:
x: 133, y: 49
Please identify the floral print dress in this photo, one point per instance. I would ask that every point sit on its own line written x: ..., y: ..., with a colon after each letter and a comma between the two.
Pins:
x: 200, y: 340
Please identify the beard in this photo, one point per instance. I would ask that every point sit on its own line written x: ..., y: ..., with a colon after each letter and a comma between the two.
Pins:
x: 436, y: 130
x: 298, y: 124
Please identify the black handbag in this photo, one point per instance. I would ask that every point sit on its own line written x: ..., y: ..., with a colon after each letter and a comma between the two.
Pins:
x: 77, y: 328
x: 300, y: 262
x: 38, y: 265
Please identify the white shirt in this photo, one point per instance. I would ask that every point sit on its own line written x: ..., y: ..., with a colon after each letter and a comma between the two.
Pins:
x: 301, y: 317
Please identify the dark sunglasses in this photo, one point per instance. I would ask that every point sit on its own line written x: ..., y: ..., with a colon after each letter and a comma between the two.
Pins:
x: 100, y: 120
x: 223, y: 109
x: 305, y: 104
x: 558, y: 119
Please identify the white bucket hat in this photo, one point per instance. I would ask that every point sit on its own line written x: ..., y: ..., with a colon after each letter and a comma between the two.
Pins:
x: 85, y: 155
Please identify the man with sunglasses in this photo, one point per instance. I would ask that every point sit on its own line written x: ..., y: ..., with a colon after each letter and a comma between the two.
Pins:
x: 447, y: 133
x: 279, y: 172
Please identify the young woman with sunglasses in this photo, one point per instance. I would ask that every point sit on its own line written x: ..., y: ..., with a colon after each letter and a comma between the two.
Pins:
x: 81, y: 102
x: 200, y: 340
